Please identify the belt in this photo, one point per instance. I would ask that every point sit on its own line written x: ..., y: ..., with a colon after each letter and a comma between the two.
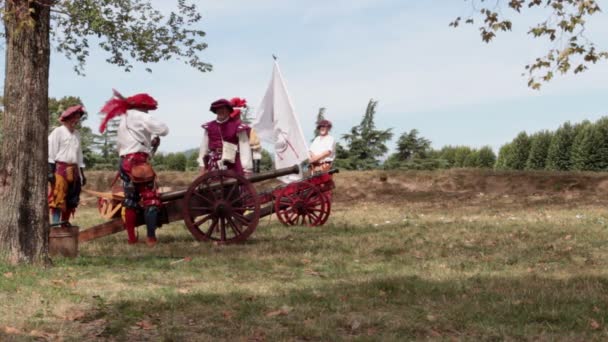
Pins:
x: 135, y: 155
x: 321, y: 163
x: 217, y: 150
x: 64, y: 163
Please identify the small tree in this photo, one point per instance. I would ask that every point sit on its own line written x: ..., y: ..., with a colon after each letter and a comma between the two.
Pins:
x: 487, y: 157
x: 460, y: 155
x: 366, y: 144
x: 448, y: 153
x: 410, y: 146
x: 559, y: 153
x: 472, y: 159
x: 520, y: 149
x: 176, y: 161
x: 266, y: 163
x: 590, y: 147
x: 504, y: 157
x: 539, y: 148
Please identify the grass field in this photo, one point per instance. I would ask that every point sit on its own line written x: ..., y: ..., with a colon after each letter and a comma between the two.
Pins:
x: 377, y: 271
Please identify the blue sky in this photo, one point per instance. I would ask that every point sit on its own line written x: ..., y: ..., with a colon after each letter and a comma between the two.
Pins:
x: 338, y: 54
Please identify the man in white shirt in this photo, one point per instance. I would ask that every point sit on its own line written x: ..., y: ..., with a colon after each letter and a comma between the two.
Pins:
x: 136, y: 145
x: 322, y: 151
x: 66, y: 166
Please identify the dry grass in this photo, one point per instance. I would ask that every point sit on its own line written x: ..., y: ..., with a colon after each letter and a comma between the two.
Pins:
x: 464, y: 268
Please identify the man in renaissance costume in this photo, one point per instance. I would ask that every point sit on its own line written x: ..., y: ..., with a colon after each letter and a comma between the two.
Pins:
x: 138, y: 136
x: 225, y: 144
x: 66, y: 166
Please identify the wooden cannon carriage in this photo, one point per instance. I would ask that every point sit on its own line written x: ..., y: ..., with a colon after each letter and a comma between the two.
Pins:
x: 224, y: 207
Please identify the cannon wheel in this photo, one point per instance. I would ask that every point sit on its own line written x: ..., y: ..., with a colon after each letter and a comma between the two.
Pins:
x: 302, y: 203
x: 221, y: 206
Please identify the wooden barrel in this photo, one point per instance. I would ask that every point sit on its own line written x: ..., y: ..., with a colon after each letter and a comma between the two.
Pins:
x: 64, y: 241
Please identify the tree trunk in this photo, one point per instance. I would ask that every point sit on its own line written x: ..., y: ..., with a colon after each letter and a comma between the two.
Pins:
x: 24, y: 214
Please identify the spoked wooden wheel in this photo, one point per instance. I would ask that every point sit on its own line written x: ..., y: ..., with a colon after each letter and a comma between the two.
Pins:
x: 302, y: 203
x: 221, y: 206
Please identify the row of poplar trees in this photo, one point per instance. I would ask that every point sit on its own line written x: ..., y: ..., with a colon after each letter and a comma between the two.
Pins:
x: 572, y: 147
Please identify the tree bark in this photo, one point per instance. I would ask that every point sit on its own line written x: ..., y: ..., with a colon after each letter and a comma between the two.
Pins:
x: 24, y: 226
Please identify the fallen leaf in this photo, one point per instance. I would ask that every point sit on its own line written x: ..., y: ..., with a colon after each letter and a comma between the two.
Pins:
x: 258, y: 336
x: 434, y: 333
x: 306, y: 261
x: 371, y: 331
x: 596, y: 309
x: 186, y: 259
x: 228, y: 314
x: 568, y: 237
x: 284, y: 310
x: 313, y: 273
x: 8, y: 274
x: 74, y: 315
x: 145, y: 325
x: 58, y: 282
x: 183, y: 291
x: 431, y: 318
x: 594, y: 324
x: 354, y: 325
x: 11, y: 330
x: 44, y: 335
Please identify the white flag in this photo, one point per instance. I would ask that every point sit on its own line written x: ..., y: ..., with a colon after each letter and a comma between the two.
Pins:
x: 276, y: 122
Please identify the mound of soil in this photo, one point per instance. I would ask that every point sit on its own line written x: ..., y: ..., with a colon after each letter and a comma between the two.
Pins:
x: 444, y: 186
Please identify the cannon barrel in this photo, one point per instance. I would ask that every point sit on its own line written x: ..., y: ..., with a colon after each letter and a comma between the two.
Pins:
x: 177, y: 194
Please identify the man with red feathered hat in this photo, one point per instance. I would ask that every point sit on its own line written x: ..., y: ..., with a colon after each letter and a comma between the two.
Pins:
x: 225, y: 142
x: 66, y: 165
x: 138, y: 136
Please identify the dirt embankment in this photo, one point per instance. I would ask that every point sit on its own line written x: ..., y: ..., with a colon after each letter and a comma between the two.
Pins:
x: 444, y: 187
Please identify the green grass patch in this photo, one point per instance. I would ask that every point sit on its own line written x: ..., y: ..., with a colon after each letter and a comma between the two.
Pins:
x: 373, y: 273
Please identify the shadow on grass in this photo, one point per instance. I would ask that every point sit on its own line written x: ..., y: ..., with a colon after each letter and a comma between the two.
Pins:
x: 392, y: 308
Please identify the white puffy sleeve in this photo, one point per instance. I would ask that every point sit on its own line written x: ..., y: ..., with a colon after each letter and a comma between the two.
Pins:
x: 203, y: 149
x: 80, y: 156
x: 53, y: 146
x: 154, y: 126
x: 245, y: 151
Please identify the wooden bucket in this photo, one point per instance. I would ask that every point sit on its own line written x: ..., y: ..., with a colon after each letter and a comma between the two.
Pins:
x: 64, y: 241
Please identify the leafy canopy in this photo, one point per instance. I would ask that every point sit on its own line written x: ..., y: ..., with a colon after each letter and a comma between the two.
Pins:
x: 128, y: 30
x: 564, y: 27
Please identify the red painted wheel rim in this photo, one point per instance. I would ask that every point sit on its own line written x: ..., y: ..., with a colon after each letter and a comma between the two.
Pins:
x: 302, y: 203
x: 221, y: 206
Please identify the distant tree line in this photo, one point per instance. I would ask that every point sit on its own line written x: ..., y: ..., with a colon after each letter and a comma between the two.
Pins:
x: 365, y: 149
x: 572, y: 147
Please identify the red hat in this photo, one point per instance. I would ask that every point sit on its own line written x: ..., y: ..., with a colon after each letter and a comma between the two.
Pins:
x: 324, y: 123
x: 119, y: 105
x: 78, y: 109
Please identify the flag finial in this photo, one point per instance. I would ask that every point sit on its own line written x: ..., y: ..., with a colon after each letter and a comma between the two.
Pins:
x: 274, y: 57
